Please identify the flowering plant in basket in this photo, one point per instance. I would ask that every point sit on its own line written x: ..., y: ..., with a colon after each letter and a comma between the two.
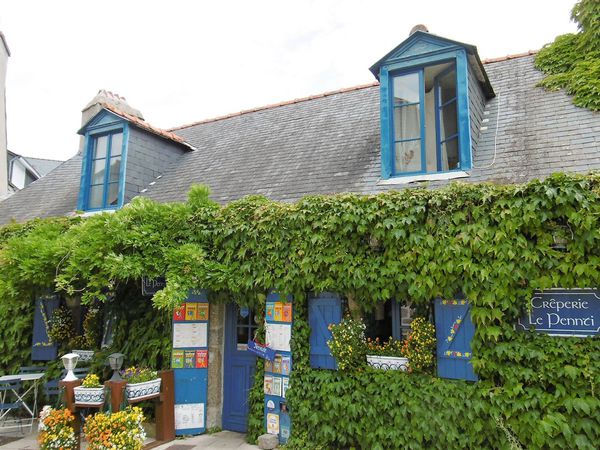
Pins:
x: 393, y: 347
x: 56, y: 429
x: 135, y: 375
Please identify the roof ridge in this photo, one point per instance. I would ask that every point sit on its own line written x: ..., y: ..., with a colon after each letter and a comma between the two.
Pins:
x: 277, y: 105
x: 507, y: 57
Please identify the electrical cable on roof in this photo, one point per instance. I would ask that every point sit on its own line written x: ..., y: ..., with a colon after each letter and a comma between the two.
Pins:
x: 495, y: 137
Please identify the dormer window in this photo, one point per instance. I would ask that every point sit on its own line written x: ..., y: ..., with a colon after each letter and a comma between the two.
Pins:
x: 105, y: 171
x: 425, y: 111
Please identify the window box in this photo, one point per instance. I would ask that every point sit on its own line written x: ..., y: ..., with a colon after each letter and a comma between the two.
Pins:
x: 142, y: 391
x: 85, y: 396
x: 388, y: 362
x: 84, y: 355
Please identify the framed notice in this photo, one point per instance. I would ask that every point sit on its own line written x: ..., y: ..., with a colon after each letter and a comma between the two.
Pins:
x: 190, y: 335
x: 278, y: 336
x: 189, y: 416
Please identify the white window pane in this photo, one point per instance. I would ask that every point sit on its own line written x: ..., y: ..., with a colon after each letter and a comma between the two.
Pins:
x: 447, y: 85
x: 407, y: 122
x: 100, y: 147
x: 98, y: 171
x: 408, y: 156
x: 406, y: 89
x: 115, y: 168
x: 450, y: 156
x: 448, y: 121
x: 113, y: 194
x: 117, y: 144
x: 96, y: 194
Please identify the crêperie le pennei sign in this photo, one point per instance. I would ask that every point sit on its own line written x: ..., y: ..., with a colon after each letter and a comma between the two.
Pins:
x: 564, y: 312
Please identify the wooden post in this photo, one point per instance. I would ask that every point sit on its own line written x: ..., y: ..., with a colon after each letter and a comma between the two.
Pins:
x: 117, y: 392
x: 165, y: 408
x: 69, y: 400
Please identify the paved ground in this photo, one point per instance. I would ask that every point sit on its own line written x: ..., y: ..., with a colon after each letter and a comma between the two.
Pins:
x: 221, y: 441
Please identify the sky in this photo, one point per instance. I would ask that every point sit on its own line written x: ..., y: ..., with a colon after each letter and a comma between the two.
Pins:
x: 183, y: 61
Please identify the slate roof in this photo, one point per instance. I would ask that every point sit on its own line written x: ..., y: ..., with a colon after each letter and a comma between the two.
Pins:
x: 329, y: 143
x: 43, y: 166
x: 52, y: 195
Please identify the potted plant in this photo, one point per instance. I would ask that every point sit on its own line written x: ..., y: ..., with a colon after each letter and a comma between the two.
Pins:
x: 90, y: 393
x: 142, y: 383
x: 386, y: 355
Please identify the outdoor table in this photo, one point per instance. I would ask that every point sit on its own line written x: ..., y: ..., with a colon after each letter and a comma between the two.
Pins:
x: 35, y: 377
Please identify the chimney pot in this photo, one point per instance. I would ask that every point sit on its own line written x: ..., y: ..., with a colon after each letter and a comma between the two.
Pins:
x: 419, y: 27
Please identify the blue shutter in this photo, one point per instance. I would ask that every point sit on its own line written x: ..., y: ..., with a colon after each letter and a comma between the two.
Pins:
x: 454, y: 332
x: 42, y: 348
x: 322, y: 311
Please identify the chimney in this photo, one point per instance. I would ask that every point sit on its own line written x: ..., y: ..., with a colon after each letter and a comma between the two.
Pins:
x: 108, y: 98
x: 4, y: 54
x: 419, y: 27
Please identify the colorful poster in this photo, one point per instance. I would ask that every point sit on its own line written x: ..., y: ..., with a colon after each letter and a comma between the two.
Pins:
x: 179, y: 313
x: 273, y: 423
x: 268, y: 366
x: 177, y: 359
x: 278, y: 314
x: 189, y: 359
x: 286, y: 365
x: 190, y: 311
x: 277, y: 364
x: 278, y: 336
x: 268, y: 385
x: 287, y: 312
x: 270, y: 311
x: 277, y: 386
x: 201, y: 359
x: 202, y: 311
x: 284, y: 385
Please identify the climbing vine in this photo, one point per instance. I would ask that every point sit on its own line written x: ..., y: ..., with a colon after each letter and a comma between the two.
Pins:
x: 572, y: 61
x: 494, y: 244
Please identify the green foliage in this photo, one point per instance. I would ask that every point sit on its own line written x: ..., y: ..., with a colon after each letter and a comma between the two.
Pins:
x: 347, y: 344
x: 572, y: 61
x: 494, y: 244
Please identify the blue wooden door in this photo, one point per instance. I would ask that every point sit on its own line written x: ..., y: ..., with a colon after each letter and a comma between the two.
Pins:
x: 239, y: 367
x: 454, y: 332
x: 322, y: 311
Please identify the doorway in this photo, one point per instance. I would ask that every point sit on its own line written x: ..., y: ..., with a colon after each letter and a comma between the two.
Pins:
x: 239, y: 367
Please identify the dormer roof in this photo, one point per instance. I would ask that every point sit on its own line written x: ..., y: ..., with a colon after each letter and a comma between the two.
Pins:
x: 421, y: 44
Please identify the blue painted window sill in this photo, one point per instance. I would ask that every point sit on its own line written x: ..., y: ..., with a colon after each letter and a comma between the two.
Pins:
x: 440, y: 176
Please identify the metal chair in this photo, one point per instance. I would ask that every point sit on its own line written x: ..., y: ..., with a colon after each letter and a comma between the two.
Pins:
x: 32, y: 369
x: 10, y: 389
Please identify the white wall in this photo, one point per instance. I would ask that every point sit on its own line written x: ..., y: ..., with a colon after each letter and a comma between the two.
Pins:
x: 3, y: 156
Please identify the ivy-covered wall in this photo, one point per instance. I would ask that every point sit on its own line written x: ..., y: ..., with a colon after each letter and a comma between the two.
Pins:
x: 493, y: 243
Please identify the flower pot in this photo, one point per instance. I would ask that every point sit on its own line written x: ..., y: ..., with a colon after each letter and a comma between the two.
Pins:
x: 142, y: 391
x: 387, y: 362
x: 85, y: 396
x: 84, y: 355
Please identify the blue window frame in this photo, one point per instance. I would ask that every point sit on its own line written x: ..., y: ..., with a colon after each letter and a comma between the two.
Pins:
x: 443, y: 143
x: 106, y: 152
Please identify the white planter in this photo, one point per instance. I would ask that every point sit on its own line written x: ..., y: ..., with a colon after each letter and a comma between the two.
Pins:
x: 85, y: 396
x: 387, y: 362
x: 84, y: 355
x: 141, y: 391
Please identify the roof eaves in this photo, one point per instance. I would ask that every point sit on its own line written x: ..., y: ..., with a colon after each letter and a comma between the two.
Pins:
x: 507, y: 57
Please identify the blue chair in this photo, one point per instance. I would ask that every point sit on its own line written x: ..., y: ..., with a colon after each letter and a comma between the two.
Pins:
x: 32, y: 369
x: 9, y: 389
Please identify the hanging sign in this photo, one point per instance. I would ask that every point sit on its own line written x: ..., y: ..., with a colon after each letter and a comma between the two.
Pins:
x: 261, y: 350
x: 151, y: 286
x: 564, y: 312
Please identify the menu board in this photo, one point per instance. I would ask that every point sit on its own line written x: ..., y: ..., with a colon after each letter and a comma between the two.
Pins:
x: 190, y: 335
x: 189, y: 360
x: 278, y: 333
